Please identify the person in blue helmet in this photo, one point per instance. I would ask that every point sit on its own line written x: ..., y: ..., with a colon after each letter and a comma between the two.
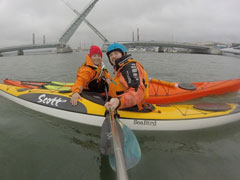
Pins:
x: 129, y: 86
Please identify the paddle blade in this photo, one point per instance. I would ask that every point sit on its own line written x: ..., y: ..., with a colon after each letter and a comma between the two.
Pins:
x: 131, y: 150
x: 106, y: 142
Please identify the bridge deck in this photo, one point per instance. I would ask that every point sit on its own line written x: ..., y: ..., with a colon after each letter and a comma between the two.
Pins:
x: 26, y: 47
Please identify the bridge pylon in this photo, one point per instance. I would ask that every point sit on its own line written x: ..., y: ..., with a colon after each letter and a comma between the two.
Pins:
x: 73, y: 27
x: 100, y: 35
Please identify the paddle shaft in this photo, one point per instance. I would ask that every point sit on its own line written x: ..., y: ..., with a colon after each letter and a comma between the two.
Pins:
x: 119, y: 159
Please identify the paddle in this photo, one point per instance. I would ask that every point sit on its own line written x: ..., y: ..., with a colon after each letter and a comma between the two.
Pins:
x: 119, y: 160
x: 128, y: 141
x: 106, y: 141
x: 131, y: 149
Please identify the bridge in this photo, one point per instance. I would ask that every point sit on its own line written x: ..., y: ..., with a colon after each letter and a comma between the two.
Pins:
x: 193, y: 47
x: 20, y: 49
x: 61, y: 45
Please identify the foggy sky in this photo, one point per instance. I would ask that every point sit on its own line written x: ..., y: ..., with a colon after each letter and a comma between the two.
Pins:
x: 160, y: 20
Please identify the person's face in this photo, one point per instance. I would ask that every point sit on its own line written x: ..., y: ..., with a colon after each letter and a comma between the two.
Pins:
x: 113, y: 56
x: 97, y: 59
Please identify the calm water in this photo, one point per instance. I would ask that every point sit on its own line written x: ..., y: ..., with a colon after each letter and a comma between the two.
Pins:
x: 34, y: 146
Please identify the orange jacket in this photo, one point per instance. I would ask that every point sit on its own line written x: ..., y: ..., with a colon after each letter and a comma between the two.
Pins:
x: 87, y: 73
x: 130, y: 94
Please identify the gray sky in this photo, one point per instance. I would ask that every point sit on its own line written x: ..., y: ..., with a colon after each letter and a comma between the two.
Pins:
x: 160, y: 20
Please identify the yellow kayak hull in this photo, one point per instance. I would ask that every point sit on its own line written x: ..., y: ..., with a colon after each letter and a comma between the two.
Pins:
x: 90, y: 110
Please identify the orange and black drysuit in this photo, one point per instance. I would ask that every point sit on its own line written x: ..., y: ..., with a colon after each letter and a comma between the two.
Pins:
x: 130, y: 83
x: 90, y: 77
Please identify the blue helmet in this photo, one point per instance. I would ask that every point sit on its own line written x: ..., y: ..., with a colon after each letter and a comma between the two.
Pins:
x: 116, y: 47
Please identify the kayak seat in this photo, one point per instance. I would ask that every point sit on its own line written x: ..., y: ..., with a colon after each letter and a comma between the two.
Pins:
x: 94, y: 97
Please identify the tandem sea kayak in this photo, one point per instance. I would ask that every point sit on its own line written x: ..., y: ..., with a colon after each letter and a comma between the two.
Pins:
x: 90, y: 110
x: 160, y: 92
